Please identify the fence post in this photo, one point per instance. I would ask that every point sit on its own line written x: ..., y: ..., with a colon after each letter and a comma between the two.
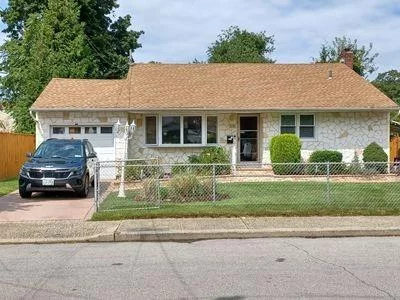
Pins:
x: 328, y: 192
x: 213, y: 183
x: 96, y: 185
x: 158, y: 184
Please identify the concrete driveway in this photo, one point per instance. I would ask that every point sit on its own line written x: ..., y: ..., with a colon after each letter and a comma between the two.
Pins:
x: 49, y: 206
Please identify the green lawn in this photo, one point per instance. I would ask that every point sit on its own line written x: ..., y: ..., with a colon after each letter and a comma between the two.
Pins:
x: 8, y: 186
x: 268, y: 199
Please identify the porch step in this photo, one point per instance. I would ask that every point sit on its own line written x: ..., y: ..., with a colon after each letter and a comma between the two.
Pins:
x: 253, y: 170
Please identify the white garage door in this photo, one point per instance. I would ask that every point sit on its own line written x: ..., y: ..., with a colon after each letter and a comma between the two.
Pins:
x: 101, y: 137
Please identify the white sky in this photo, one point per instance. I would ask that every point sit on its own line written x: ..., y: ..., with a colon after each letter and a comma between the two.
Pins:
x: 178, y: 31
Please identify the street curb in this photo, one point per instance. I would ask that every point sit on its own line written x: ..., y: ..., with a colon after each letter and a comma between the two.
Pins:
x: 246, y: 234
x: 105, y: 236
x: 115, y: 234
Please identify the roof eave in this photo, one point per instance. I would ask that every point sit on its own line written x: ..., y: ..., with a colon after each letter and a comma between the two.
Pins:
x: 278, y: 109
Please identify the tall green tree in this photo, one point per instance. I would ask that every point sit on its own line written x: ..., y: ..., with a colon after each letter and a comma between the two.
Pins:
x: 52, y: 45
x: 364, y: 59
x: 389, y: 83
x: 241, y: 46
x: 109, y: 40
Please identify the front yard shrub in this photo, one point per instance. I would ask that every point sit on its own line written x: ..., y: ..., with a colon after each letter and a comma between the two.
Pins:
x: 209, y: 155
x: 150, y: 191
x: 134, y: 172
x: 324, y: 157
x: 138, y: 170
x: 355, y: 167
x: 376, y: 158
x: 188, y: 186
x: 285, y: 148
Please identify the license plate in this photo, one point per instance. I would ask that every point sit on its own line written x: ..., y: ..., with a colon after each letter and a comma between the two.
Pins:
x: 47, y: 181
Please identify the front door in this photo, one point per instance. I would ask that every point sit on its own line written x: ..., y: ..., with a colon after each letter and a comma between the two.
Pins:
x: 248, y: 138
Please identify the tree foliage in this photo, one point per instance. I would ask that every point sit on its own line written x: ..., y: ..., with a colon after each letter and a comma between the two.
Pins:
x: 53, y: 45
x: 364, y: 59
x: 389, y: 83
x: 241, y: 46
x: 59, y: 38
x: 109, y: 41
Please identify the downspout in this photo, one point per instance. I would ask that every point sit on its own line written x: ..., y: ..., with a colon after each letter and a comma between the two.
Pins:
x: 36, y: 119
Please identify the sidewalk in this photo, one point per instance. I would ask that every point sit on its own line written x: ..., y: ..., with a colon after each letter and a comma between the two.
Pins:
x: 195, y: 229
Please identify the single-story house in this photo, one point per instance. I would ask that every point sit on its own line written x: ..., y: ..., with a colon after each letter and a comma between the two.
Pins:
x: 179, y: 109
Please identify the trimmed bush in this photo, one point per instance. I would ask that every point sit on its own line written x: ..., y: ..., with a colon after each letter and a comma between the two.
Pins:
x: 285, y: 148
x: 375, y: 153
x: 323, y: 157
x: 326, y: 156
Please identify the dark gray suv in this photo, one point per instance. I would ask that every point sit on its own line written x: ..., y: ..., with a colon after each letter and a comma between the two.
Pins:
x: 59, y: 165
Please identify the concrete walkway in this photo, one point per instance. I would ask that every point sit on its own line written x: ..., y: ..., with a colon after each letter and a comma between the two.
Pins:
x: 43, y: 207
x: 195, y: 229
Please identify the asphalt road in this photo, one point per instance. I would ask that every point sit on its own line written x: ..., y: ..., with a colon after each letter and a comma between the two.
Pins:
x: 218, y: 269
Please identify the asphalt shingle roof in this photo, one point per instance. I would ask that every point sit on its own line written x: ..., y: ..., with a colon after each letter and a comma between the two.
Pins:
x: 220, y: 87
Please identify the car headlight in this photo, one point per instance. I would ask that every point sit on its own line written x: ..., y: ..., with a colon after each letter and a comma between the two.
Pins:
x: 23, y: 171
x: 77, y: 171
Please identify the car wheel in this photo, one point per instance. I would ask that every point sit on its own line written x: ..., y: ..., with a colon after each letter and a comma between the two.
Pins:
x: 83, y: 193
x: 23, y: 192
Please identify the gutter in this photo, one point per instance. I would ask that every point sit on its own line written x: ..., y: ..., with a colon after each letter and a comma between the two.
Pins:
x: 135, y: 110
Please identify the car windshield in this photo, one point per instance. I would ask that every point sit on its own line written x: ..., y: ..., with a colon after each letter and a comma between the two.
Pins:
x: 58, y: 149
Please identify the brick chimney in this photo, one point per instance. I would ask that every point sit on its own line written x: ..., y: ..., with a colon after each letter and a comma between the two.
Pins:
x: 347, y: 57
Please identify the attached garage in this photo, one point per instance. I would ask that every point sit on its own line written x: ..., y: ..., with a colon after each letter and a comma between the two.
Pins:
x: 101, y: 137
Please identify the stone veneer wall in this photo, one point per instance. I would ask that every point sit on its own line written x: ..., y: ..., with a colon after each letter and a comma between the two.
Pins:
x: 227, y: 124
x: 347, y: 132
x: 47, y: 119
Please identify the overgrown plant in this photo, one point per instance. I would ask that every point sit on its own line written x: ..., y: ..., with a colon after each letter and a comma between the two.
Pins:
x: 150, y: 191
x: 188, y: 186
x: 140, y: 169
x: 209, y: 155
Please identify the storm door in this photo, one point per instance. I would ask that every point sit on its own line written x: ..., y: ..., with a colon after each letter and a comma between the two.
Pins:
x: 248, y: 138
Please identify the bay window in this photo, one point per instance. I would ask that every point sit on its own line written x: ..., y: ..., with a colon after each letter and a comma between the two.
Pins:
x: 192, y: 130
x: 181, y: 130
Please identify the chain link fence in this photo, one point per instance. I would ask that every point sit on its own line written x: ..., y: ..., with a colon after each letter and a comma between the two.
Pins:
x: 256, y: 189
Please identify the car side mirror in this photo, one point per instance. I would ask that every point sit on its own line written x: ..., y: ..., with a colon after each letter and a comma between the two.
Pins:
x: 29, y: 154
x: 92, y: 155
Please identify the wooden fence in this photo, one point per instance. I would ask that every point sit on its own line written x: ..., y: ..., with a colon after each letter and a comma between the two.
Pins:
x: 13, y: 149
x: 394, y: 147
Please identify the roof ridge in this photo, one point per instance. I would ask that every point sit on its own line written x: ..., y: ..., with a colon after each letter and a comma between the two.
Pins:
x: 236, y: 64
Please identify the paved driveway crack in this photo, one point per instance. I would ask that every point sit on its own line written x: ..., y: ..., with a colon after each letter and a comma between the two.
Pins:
x: 344, y: 269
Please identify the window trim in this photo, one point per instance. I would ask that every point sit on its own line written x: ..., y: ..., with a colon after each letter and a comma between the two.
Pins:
x: 298, y: 125
x: 181, y: 117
